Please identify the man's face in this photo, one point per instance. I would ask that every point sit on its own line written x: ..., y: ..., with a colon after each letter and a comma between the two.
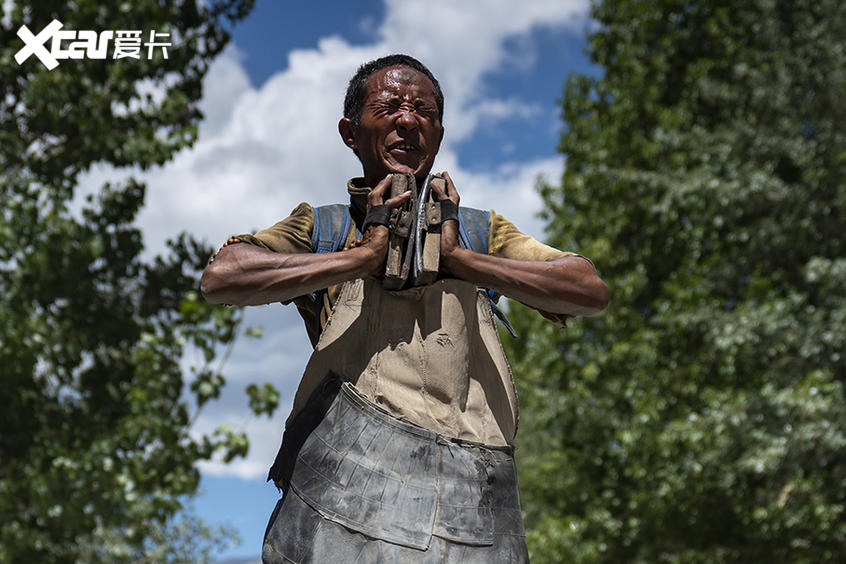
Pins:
x: 400, y: 130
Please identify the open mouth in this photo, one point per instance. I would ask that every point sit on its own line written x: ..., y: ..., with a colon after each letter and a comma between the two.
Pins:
x: 405, y: 147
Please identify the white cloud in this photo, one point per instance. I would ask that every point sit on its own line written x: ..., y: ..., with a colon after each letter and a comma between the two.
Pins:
x: 263, y: 150
x: 225, y: 83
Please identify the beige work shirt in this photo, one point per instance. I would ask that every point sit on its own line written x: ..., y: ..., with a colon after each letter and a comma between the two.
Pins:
x: 483, y: 408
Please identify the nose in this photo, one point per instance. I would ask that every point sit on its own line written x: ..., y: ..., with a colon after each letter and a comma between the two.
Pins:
x: 406, y: 118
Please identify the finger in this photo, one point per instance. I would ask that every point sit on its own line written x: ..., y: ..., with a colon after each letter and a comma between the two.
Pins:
x: 451, y: 191
x: 440, y: 194
x: 377, y: 195
x: 397, y: 201
x: 229, y: 241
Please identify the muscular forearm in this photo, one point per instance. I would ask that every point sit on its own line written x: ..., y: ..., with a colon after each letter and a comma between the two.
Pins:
x: 244, y: 274
x: 567, y: 285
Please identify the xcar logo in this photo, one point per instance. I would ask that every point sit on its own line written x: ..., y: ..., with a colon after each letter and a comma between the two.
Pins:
x: 84, y: 44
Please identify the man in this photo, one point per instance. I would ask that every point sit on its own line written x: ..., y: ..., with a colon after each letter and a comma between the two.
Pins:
x: 398, y: 447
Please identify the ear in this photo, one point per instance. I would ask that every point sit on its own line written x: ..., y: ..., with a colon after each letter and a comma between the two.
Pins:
x: 440, y: 138
x: 347, y: 131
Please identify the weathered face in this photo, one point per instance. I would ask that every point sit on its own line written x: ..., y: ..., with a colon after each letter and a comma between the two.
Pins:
x: 400, y: 130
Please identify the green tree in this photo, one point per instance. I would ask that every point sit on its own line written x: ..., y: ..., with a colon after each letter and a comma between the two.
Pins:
x: 702, y: 417
x: 95, y: 451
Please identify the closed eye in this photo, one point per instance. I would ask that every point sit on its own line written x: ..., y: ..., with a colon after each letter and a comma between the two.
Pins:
x: 390, y: 106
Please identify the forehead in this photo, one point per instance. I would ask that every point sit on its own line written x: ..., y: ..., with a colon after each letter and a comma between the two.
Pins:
x: 400, y: 80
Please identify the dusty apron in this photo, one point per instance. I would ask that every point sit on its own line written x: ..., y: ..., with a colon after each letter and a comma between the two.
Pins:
x: 397, y: 448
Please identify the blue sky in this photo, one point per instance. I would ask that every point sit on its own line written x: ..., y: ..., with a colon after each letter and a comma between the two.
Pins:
x: 272, y: 102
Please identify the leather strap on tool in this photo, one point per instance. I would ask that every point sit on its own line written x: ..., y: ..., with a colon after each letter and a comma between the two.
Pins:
x: 439, y: 212
x: 378, y: 215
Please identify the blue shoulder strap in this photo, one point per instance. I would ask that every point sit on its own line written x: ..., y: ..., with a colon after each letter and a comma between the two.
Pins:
x: 331, y: 225
x: 473, y: 230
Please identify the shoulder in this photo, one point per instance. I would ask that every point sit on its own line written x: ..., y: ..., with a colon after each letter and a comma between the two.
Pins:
x: 332, y: 228
x: 290, y: 235
x: 506, y: 240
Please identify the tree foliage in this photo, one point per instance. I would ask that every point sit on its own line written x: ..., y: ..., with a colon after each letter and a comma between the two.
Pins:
x: 701, y: 418
x: 95, y: 450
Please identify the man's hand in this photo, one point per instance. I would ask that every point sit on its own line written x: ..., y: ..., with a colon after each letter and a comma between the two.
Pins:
x: 375, y: 238
x: 228, y: 242
x: 449, y: 229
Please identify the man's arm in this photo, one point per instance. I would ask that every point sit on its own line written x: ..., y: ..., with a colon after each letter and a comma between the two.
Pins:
x: 567, y: 285
x: 243, y: 274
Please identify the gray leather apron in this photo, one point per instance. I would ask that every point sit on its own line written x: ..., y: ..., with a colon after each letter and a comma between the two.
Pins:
x: 381, y: 459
